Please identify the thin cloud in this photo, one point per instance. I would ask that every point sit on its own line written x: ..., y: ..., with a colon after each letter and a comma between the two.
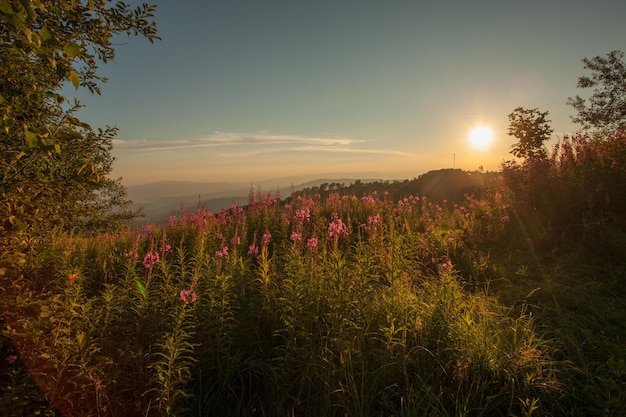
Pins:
x: 314, y: 149
x: 232, y: 139
x: 353, y: 150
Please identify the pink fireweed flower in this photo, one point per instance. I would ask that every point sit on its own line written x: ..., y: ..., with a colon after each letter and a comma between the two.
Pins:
x: 235, y: 240
x: 505, y: 218
x: 368, y: 200
x: 187, y: 296
x: 253, y: 250
x: 302, y: 215
x: 222, y: 253
x: 311, y: 243
x: 446, y: 266
x: 131, y: 254
x: 337, y: 228
x: 150, y: 259
x: 374, y: 220
x: 171, y: 221
x: 166, y: 248
x: 296, y: 237
x: 267, y: 237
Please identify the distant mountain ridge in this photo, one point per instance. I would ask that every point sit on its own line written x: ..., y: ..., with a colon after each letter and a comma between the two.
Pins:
x: 162, y: 199
x: 156, y: 190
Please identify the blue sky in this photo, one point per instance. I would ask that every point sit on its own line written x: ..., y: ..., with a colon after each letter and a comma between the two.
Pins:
x: 244, y: 91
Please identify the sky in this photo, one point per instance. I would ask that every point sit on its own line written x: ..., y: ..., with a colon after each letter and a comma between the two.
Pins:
x: 246, y: 91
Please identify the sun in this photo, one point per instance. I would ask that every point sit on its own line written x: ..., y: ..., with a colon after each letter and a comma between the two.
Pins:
x: 481, y: 136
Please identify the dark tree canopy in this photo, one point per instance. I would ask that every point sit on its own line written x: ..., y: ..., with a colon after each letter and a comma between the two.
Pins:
x: 605, y: 110
x: 532, y: 129
x: 54, y: 169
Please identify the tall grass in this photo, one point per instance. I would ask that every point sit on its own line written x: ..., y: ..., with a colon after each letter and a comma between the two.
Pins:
x: 347, y: 306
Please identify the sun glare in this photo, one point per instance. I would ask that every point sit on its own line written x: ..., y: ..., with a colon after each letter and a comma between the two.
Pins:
x: 481, y: 136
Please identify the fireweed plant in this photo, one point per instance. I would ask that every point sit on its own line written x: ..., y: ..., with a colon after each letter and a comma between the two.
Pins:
x: 347, y: 306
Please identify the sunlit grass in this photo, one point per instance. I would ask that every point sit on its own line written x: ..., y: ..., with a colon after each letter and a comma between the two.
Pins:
x: 344, y: 306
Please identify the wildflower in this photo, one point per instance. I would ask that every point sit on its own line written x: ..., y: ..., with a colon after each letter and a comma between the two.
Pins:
x: 73, y: 276
x: 222, y: 253
x: 337, y: 228
x: 150, y: 259
x: 187, y: 296
x: 296, y: 237
x: 267, y: 237
x: 235, y: 240
x: 311, y: 243
x: 253, y: 250
x: 131, y: 254
x: 303, y: 214
x: 505, y: 218
x: 171, y: 221
x: 166, y: 248
x: 374, y: 220
x: 446, y: 266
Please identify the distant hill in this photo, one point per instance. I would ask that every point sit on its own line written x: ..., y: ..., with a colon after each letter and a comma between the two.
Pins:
x: 161, y: 199
x: 162, y: 189
x: 445, y: 184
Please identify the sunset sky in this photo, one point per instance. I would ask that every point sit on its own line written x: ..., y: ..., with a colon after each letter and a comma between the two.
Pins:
x: 244, y: 91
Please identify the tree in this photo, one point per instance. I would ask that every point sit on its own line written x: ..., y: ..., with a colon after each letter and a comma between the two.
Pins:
x: 532, y: 128
x: 54, y: 168
x: 605, y: 110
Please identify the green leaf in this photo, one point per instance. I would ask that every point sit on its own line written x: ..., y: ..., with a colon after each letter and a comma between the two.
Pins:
x: 140, y: 287
x: 31, y: 138
x: 1, y: 99
x: 73, y: 77
x: 71, y: 49
x: 45, y: 34
x: 5, y: 7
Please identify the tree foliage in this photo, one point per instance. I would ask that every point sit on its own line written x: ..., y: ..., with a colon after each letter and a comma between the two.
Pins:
x: 54, y: 168
x: 605, y: 110
x: 576, y: 191
x: 532, y: 129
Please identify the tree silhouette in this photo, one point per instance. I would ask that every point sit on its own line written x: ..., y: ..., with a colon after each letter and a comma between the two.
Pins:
x: 531, y: 128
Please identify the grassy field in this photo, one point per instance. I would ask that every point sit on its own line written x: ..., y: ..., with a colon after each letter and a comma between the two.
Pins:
x: 338, y: 306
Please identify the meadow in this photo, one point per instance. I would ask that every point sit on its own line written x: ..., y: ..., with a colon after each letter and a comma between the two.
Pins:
x: 504, y: 302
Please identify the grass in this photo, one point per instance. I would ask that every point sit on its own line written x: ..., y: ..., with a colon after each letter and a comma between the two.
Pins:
x: 347, y: 306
